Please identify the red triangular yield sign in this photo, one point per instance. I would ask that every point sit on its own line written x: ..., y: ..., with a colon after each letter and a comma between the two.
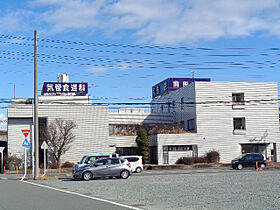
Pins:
x: 25, y: 132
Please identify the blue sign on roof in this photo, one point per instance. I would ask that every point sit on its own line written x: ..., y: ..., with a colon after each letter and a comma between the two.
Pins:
x: 25, y: 143
x: 171, y: 84
x: 80, y: 88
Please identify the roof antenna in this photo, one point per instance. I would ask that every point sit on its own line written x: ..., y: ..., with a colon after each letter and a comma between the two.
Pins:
x: 193, y: 72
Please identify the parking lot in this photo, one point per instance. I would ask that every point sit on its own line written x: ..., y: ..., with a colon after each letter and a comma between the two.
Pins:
x: 185, y: 189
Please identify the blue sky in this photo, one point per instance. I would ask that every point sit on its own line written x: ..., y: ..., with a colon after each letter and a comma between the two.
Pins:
x: 125, y: 47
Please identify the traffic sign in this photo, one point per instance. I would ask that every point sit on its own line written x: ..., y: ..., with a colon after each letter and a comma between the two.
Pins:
x: 25, y: 132
x: 44, y: 145
x: 25, y: 143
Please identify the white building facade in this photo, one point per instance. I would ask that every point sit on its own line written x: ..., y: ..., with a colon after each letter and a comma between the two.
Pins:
x: 231, y: 118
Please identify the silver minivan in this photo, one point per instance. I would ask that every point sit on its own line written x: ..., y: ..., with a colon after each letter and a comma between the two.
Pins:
x: 104, y: 167
x: 88, y: 159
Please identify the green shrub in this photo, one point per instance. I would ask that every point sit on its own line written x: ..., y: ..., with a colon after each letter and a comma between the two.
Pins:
x: 185, y: 160
x: 213, y: 156
x: 191, y: 160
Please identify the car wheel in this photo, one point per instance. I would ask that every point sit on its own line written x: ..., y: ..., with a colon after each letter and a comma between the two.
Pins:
x: 239, y: 166
x: 87, y: 176
x: 138, y: 170
x: 262, y: 165
x: 124, y: 174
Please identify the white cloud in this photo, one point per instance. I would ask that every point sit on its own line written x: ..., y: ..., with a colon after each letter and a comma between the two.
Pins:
x: 97, y: 69
x: 157, y: 21
x: 3, y: 122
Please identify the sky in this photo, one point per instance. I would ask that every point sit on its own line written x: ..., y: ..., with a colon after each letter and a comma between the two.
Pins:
x: 124, y: 47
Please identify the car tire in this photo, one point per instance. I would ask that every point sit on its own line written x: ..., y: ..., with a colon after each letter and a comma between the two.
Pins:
x: 124, y: 174
x: 87, y: 176
x: 262, y: 165
x: 138, y: 170
x: 239, y: 166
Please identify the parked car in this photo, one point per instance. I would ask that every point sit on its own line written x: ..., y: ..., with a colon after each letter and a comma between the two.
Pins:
x: 136, y: 163
x: 248, y: 160
x: 104, y: 167
x: 87, y: 159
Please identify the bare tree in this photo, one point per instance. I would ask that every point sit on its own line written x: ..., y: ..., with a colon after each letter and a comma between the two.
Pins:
x: 59, y: 136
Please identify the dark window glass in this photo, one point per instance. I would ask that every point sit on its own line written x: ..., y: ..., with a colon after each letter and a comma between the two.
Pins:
x: 239, y: 123
x: 132, y: 159
x: 115, y: 161
x: 238, y: 98
x: 102, y: 162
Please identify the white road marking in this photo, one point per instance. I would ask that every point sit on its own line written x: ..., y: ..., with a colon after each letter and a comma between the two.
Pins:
x: 86, y: 196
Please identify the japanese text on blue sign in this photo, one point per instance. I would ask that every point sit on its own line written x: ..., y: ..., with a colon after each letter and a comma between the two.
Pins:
x: 54, y: 87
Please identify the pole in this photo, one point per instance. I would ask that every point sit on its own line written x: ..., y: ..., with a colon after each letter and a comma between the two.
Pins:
x: 45, y: 163
x: 2, y: 157
x: 36, y: 121
x: 2, y: 162
x: 33, y: 149
x: 25, y: 163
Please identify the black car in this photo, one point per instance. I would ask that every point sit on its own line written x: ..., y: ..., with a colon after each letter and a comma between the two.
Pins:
x: 248, y: 160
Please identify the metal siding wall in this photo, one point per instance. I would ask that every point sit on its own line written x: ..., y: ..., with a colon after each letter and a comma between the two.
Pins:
x: 215, y: 120
x: 91, y: 133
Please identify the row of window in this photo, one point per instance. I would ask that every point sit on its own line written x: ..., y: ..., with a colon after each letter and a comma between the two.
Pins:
x: 176, y: 84
x: 178, y: 148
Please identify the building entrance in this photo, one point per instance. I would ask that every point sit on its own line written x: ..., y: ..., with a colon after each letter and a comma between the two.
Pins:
x: 254, y: 148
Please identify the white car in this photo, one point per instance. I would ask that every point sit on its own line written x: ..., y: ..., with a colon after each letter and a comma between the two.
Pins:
x: 135, y: 162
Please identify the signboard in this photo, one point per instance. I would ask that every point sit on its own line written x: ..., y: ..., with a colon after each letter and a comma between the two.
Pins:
x: 44, y: 145
x: 25, y: 132
x: 25, y: 143
x: 80, y: 88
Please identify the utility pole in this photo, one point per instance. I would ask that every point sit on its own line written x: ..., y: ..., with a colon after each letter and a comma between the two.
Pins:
x: 36, y: 121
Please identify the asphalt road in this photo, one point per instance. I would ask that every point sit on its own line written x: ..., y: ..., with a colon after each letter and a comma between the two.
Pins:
x: 17, y: 195
x: 186, y: 189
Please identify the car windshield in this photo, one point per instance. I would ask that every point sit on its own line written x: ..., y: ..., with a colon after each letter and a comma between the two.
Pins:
x: 83, y: 160
x: 241, y: 156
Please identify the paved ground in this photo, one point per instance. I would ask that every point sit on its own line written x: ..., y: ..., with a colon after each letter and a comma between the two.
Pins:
x: 220, y: 188
x: 186, y: 189
x: 16, y: 195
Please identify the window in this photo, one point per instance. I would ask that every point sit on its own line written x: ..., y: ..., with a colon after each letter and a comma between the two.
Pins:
x: 169, y: 107
x: 102, y: 162
x: 115, y: 161
x: 179, y: 148
x: 239, y: 123
x: 132, y: 159
x: 190, y: 124
x: 176, y: 84
x: 182, y: 103
x: 90, y: 160
x: 182, y: 124
x: 238, y: 99
x: 185, y: 83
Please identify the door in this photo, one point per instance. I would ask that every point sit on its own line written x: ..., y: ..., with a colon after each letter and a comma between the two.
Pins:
x: 101, y: 167
x: 114, y: 168
x: 248, y: 161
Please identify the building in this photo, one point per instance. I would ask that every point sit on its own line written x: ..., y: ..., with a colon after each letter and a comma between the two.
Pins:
x: 229, y: 117
x: 63, y: 100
